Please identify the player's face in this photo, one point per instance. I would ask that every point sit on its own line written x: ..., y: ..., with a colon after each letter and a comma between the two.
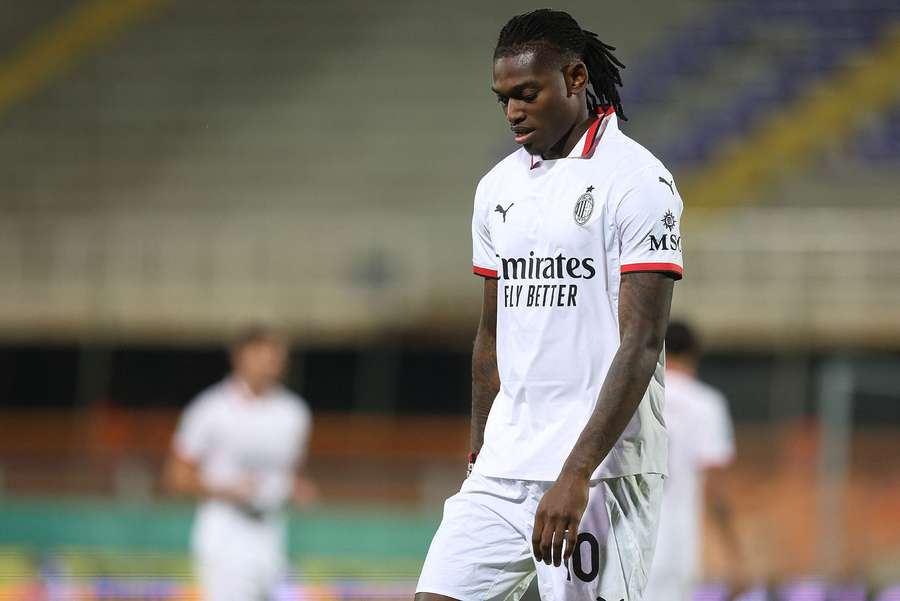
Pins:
x: 541, y: 100
x: 261, y: 364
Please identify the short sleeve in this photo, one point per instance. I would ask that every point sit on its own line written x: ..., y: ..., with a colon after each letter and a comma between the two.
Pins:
x: 717, y: 443
x: 193, y: 437
x: 484, y: 257
x: 304, y: 428
x: 648, y: 219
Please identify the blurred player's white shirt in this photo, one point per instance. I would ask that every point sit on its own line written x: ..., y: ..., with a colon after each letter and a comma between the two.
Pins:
x: 700, y: 436
x: 232, y: 435
x: 558, y: 234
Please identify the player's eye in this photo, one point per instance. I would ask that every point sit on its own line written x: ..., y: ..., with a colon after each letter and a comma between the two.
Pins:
x: 502, y: 100
x: 529, y: 97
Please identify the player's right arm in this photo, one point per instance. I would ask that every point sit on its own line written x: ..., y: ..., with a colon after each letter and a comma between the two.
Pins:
x: 305, y: 491
x: 718, y: 503
x: 716, y: 456
x: 485, y: 376
x: 194, y: 440
x: 181, y: 476
x: 719, y: 506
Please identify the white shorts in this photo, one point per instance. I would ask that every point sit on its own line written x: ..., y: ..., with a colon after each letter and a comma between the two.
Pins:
x: 226, y: 577
x: 236, y: 557
x: 668, y: 586
x: 482, y: 549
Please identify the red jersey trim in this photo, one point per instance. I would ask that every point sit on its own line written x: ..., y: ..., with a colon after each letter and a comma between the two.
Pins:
x: 589, y: 141
x: 592, y: 137
x: 671, y: 268
x: 487, y: 273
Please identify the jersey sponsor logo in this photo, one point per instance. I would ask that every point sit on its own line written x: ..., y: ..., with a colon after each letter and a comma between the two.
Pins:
x: 584, y: 206
x: 668, y: 183
x: 540, y: 295
x: 670, y: 241
x: 502, y: 211
x: 558, y: 294
x: 665, y: 242
x: 547, y: 268
x: 669, y: 221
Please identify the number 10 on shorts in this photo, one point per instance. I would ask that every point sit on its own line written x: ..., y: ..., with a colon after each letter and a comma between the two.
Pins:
x: 589, y: 572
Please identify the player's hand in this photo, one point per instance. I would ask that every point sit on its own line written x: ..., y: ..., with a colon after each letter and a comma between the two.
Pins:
x: 558, y: 517
x: 241, y: 494
x: 305, y: 492
x: 739, y: 579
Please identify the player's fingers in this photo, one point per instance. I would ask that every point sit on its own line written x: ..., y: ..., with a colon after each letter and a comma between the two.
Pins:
x: 536, y: 534
x: 571, y: 539
x: 547, y: 541
x: 559, y: 535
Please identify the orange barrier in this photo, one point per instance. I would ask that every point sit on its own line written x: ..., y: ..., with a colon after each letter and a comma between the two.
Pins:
x: 416, y: 461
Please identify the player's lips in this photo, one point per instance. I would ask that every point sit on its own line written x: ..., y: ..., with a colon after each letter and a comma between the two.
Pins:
x: 522, y: 134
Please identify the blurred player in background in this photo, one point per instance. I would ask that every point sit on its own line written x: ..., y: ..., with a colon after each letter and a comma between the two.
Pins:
x: 238, y: 450
x: 576, y: 235
x: 701, y: 446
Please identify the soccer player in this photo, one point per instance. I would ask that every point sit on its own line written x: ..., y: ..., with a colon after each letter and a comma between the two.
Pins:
x: 701, y: 446
x: 576, y: 235
x: 237, y: 450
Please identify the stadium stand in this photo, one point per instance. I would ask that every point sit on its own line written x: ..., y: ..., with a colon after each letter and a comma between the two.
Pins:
x: 741, y: 62
x: 230, y: 126
x: 166, y: 152
x: 199, y: 165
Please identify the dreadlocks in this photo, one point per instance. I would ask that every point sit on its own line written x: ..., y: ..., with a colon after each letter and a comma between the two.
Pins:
x: 558, y: 30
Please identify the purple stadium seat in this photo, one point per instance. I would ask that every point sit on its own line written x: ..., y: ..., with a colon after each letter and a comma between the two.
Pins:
x: 838, y: 28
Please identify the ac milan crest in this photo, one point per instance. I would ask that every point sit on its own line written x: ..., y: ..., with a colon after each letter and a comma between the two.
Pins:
x: 584, y: 206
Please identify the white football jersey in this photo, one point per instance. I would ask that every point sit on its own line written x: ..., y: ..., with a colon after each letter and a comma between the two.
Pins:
x: 700, y: 436
x: 232, y: 436
x: 558, y: 234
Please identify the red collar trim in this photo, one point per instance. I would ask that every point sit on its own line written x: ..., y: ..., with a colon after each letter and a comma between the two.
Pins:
x: 591, y: 139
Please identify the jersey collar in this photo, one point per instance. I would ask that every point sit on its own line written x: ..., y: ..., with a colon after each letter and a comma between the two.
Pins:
x: 242, y: 390
x: 585, y: 147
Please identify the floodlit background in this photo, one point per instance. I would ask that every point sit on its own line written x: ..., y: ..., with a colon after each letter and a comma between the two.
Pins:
x: 172, y: 169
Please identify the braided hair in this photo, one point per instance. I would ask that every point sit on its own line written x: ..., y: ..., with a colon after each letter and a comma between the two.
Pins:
x: 545, y: 28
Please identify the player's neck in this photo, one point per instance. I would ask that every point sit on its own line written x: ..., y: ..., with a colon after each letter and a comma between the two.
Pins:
x: 251, y: 390
x: 564, y: 147
x: 680, y: 366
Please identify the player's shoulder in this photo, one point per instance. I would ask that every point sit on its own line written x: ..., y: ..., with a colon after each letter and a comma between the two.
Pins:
x: 208, y: 403
x: 689, y: 389
x: 708, y: 398
x: 211, y: 396
x: 631, y: 159
x: 509, y: 166
x: 293, y: 403
x: 715, y: 401
x: 512, y: 163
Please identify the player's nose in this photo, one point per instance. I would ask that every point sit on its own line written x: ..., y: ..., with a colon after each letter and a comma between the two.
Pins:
x: 514, y: 112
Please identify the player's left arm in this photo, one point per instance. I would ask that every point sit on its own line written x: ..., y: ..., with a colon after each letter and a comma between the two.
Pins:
x: 715, y: 455
x: 305, y: 490
x: 644, y: 302
x: 719, y: 506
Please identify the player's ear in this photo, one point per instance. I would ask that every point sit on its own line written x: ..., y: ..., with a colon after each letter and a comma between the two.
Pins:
x: 576, y: 76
